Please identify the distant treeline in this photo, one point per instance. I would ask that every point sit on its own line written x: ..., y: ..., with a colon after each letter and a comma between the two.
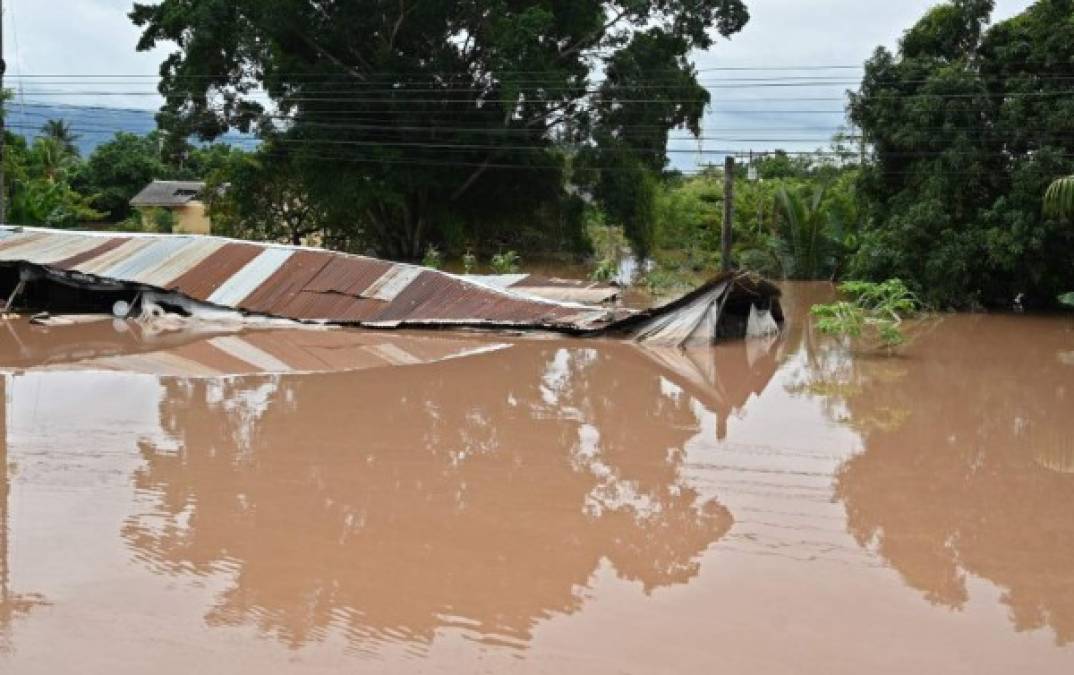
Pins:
x: 444, y: 130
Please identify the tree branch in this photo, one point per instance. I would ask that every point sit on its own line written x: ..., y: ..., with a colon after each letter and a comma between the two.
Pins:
x: 595, y: 35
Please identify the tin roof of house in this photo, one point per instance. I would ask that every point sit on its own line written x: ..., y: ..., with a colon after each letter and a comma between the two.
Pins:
x: 317, y: 285
x: 169, y: 193
x: 552, y: 288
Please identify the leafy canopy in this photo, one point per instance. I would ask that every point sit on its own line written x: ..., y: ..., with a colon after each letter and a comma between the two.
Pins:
x: 969, y: 125
x: 433, y: 114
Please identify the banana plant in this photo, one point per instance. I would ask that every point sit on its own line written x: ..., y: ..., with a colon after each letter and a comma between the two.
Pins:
x: 1059, y: 203
x: 1059, y: 199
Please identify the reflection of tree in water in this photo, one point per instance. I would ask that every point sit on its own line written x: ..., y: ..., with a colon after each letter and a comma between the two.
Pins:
x: 482, y: 493
x: 12, y: 604
x: 968, y: 476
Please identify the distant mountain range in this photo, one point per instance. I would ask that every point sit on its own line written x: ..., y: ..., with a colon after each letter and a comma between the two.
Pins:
x: 96, y: 125
x: 93, y: 125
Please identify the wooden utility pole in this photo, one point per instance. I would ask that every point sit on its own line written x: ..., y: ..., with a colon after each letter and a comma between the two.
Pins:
x: 3, y: 67
x: 728, y: 212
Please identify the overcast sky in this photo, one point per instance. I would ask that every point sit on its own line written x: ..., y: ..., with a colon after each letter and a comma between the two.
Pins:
x: 94, y: 37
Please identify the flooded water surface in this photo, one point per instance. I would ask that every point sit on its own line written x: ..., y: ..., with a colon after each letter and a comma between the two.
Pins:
x: 337, y: 501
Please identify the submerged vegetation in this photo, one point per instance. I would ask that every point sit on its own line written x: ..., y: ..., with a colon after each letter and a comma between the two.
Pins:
x: 872, y: 315
x: 507, y: 262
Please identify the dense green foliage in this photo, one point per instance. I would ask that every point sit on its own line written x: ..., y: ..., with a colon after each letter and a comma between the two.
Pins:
x: 797, y: 221
x: 441, y: 121
x: 119, y: 169
x: 38, y: 181
x: 968, y: 126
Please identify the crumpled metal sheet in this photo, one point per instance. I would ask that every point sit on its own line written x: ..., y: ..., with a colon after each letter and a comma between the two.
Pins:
x: 308, y: 284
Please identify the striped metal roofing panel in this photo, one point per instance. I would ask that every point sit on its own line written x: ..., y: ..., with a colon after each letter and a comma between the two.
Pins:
x: 167, y: 268
x: 16, y: 238
x: 286, y: 281
x: 299, y: 283
x: 250, y: 277
x: 47, y: 250
x: 393, y: 282
x: 202, y: 280
x: 156, y: 253
x: 116, y: 256
x: 437, y: 297
x: 103, y: 246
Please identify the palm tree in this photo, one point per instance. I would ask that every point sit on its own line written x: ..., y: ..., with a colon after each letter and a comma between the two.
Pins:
x: 1059, y: 203
x: 60, y: 131
x: 806, y: 249
x: 1059, y: 200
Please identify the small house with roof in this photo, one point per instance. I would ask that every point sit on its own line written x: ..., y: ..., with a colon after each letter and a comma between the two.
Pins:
x: 184, y: 199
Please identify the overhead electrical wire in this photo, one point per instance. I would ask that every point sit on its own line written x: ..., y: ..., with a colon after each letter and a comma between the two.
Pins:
x: 395, y: 100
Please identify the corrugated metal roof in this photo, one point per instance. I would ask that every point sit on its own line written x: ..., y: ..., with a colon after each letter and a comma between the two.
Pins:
x: 252, y: 275
x: 169, y: 193
x: 203, y: 279
x: 305, y: 283
x: 551, y: 288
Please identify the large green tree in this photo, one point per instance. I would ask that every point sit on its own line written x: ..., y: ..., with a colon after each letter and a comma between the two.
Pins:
x: 969, y: 124
x: 430, y: 114
x: 119, y: 169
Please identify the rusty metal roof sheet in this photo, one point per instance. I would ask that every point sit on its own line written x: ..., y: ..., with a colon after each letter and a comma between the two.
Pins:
x: 307, y: 284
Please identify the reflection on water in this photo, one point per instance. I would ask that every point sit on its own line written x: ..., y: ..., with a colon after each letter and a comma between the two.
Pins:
x: 477, y: 494
x: 584, y: 506
x: 967, y: 465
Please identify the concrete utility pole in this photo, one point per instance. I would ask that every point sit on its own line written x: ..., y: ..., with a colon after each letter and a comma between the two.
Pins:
x: 3, y: 67
x: 728, y: 212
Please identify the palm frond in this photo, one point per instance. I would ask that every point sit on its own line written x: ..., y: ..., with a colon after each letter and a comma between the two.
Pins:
x: 1059, y: 200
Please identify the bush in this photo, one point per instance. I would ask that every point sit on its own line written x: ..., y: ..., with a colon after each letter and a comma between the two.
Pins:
x: 433, y: 258
x: 507, y: 262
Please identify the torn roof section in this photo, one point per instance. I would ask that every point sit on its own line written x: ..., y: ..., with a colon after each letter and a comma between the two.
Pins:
x: 317, y: 285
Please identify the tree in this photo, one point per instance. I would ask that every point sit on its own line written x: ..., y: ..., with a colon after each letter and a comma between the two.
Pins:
x: 804, y: 242
x: 60, y: 131
x: 968, y: 126
x: 258, y: 197
x: 119, y: 169
x: 422, y: 111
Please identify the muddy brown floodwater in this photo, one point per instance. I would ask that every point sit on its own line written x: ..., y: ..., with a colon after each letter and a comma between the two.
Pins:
x: 323, y: 502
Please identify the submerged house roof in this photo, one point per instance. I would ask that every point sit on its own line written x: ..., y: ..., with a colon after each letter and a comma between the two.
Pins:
x: 316, y: 285
x: 169, y: 193
x: 552, y: 288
